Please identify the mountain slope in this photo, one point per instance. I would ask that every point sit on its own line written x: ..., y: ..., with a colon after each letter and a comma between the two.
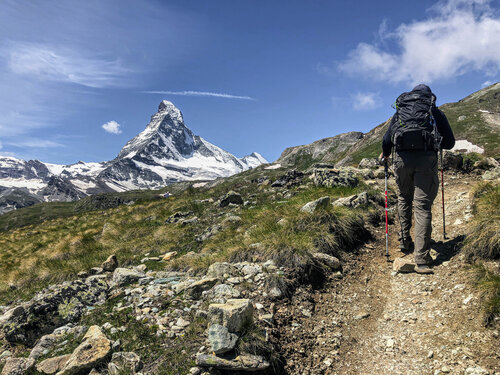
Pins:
x: 475, y: 118
x: 167, y: 151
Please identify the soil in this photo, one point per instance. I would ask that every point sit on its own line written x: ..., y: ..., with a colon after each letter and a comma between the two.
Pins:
x: 370, y: 320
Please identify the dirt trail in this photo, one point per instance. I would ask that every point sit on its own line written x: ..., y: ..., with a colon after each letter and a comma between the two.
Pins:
x: 372, y: 321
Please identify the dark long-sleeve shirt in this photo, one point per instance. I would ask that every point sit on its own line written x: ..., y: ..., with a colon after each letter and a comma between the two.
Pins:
x: 443, y: 127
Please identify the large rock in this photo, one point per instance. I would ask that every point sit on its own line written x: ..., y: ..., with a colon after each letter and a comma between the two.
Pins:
x: 328, y: 260
x: 290, y: 179
x: 235, y: 314
x: 221, y: 270
x: 18, y: 366
x: 230, y: 197
x: 124, y: 276
x: 177, y: 217
x: 352, y: 201
x: 243, y: 362
x: 47, y: 342
x: 403, y: 265
x: 369, y: 163
x: 52, y: 308
x: 93, y: 351
x: 316, y: 205
x: 124, y: 363
x: 491, y: 175
x: 196, y: 289
x: 221, y: 340
x: 110, y: 264
x: 53, y: 365
x: 331, y: 177
x: 452, y: 160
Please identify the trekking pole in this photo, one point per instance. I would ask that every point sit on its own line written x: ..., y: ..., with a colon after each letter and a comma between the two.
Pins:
x: 386, y: 170
x: 442, y: 193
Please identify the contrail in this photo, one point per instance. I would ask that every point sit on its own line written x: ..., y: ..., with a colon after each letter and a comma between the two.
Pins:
x: 200, y: 93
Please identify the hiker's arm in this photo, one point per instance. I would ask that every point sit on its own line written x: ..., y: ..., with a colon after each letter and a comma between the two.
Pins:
x: 387, y: 141
x: 444, y: 129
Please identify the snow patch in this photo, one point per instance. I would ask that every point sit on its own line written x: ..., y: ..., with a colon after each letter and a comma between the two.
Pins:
x: 274, y: 166
x: 466, y: 146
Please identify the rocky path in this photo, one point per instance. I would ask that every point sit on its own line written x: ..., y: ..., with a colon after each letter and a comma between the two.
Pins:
x: 373, y: 321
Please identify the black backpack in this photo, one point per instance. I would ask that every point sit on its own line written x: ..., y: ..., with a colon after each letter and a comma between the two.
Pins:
x: 415, y: 128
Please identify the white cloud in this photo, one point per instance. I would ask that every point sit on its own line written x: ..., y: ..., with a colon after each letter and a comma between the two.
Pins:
x: 200, y: 93
x: 48, y: 63
x: 112, y: 127
x: 487, y: 83
x: 463, y: 36
x: 1, y: 145
x: 363, y: 101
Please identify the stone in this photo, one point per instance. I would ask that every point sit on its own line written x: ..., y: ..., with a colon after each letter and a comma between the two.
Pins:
x: 243, y: 362
x: 370, y: 163
x: 328, y: 260
x: 221, y: 340
x: 52, y: 365
x: 403, y: 265
x: 225, y: 291
x: 110, y: 264
x: 47, y: 342
x: 316, y: 205
x: 51, y: 308
x: 235, y: 314
x: 352, y: 201
x: 493, y: 174
x: 330, y: 177
x: 290, y: 179
x: 230, y: 197
x: 124, y: 362
x: 189, y: 221
x: 232, y: 219
x: 18, y: 366
x: 93, y: 351
x: 452, y: 160
x: 222, y: 269
x: 168, y: 256
x: 182, y: 323
x: 195, y: 289
x: 251, y: 269
x: 177, y: 217
x: 125, y: 276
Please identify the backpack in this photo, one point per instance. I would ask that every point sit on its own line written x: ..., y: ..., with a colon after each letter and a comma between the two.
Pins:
x: 415, y: 127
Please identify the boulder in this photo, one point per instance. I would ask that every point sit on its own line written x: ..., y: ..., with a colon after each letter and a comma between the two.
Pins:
x: 195, y: 289
x: 230, y: 197
x: 331, y: 177
x: 52, y: 308
x: 125, y: 276
x: 491, y: 175
x: 53, y: 365
x: 225, y: 291
x: 93, y: 351
x: 369, y: 163
x: 316, y: 205
x: 168, y: 256
x: 221, y: 340
x: 403, y: 265
x: 47, y: 342
x: 352, y: 201
x: 328, y: 260
x: 124, y: 362
x: 177, y: 217
x: 18, y: 366
x: 110, y: 264
x: 243, y: 362
x: 290, y: 179
x: 452, y: 160
x: 235, y: 314
x: 222, y: 269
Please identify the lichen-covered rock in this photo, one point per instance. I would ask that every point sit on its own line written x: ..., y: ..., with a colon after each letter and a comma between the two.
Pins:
x: 316, y: 205
x: 93, y: 351
x: 352, y: 201
x: 221, y: 340
x: 235, y: 314
x: 493, y: 174
x: 290, y: 179
x: 230, y: 197
x: 52, y: 308
x: 18, y: 366
x: 52, y: 365
x: 124, y: 276
x: 47, y: 342
x: 177, y: 217
x: 370, y: 163
x: 195, y: 289
x: 334, y: 177
x: 124, y: 362
x: 452, y: 160
x: 222, y: 269
x: 243, y: 362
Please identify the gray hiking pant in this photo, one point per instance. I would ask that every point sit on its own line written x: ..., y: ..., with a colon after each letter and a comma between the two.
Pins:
x: 417, y: 179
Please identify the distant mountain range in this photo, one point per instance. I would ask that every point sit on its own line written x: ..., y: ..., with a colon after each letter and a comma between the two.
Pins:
x: 166, y: 151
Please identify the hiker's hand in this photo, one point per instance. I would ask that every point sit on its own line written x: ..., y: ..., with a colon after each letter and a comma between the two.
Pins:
x: 383, y: 159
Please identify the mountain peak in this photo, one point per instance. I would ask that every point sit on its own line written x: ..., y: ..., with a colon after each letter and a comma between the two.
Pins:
x: 167, y: 107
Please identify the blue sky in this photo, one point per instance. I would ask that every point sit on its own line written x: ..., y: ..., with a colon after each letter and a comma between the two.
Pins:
x: 78, y: 76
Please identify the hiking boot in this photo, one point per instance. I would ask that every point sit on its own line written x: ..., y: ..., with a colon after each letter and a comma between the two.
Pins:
x: 423, y: 269
x: 406, y: 246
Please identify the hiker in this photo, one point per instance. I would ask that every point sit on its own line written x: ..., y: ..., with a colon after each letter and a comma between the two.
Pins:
x: 417, y: 132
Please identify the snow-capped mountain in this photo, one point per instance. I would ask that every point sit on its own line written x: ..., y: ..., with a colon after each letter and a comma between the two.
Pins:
x: 166, y: 151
